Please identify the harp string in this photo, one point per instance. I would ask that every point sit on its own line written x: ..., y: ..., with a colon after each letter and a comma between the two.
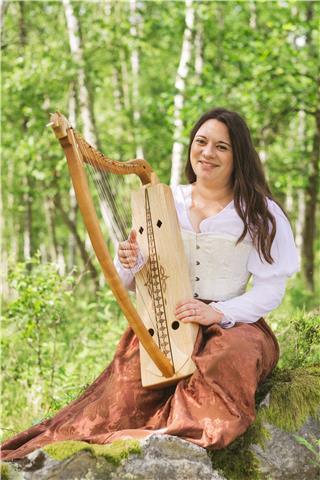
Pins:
x: 95, y: 158
x: 103, y: 180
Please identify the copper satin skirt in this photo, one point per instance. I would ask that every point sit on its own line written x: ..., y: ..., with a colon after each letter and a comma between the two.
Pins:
x: 211, y: 408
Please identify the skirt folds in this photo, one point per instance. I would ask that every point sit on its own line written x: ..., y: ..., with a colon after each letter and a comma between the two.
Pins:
x: 211, y: 408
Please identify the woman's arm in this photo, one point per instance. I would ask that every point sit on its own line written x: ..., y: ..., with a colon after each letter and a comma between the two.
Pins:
x: 269, y: 280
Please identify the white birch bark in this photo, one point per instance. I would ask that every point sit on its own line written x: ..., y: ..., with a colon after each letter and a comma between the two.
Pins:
x: 301, y: 207
x: 107, y: 8
x: 198, y: 51
x: 116, y: 90
x: 125, y: 80
x: 177, y: 149
x: 4, y: 290
x: 72, y: 247
x: 3, y: 8
x: 135, y: 69
x: 300, y: 221
x: 289, y: 201
x: 77, y: 53
x: 10, y: 221
x: 253, y: 15
x: 51, y: 252
x: 27, y: 222
x: 85, y: 108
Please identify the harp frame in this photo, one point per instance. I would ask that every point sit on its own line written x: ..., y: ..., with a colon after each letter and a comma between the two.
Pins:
x: 66, y: 136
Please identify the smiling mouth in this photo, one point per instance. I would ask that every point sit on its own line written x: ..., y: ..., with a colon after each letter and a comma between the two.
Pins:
x: 209, y: 164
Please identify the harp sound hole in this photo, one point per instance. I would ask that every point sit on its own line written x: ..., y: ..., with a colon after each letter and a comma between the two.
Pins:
x: 151, y: 331
x: 175, y: 325
x: 140, y: 230
x: 159, y: 223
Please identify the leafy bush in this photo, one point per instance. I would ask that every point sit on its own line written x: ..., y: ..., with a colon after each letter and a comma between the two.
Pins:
x: 56, y: 339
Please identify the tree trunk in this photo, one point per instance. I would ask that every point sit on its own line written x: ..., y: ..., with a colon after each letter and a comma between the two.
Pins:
x: 27, y: 182
x: 182, y: 73
x: 311, y: 195
x: 135, y: 68
x: 301, y: 208
x: 77, y: 53
x: 72, y: 197
x: 73, y: 229
x: 86, y: 112
x: 4, y: 258
x: 49, y: 218
x: 198, y: 51
x: 3, y: 8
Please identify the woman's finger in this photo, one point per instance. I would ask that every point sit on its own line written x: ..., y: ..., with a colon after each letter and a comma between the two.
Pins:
x: 188, y: 313
x: 185, y: 307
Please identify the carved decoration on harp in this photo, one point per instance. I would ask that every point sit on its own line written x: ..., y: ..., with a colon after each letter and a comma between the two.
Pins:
x: 166, y: 345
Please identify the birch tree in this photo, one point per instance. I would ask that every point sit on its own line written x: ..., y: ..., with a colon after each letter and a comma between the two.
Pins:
x: 180, y: 85
x: 86, y: 112
x: 72, y: 109
x: 198, y: 51
x: 27, y: 180
x: 135, y: 69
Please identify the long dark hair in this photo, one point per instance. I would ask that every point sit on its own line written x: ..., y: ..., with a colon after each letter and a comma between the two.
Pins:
x: 250, y: 188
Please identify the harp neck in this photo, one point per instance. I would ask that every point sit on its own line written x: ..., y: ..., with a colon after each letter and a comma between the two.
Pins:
x: 139, y: 167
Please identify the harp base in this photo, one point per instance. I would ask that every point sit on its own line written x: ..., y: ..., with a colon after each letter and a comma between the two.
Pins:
x: 152, y: 378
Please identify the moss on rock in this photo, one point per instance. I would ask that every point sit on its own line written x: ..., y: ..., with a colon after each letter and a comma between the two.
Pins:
x: 9, y: 472
x: 113, y: 453
x: 237, y: 461
x: 294, y: 396
x: 4, y: 471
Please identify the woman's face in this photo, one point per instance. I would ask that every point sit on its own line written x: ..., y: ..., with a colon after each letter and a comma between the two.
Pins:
x: 211, y: 153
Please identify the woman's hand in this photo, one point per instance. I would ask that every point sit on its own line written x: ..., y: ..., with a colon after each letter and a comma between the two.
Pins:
x: 128, y: 251
x: 197, y: 312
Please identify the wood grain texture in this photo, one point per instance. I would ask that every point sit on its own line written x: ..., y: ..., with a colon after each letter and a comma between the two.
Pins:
x: 162, y: 283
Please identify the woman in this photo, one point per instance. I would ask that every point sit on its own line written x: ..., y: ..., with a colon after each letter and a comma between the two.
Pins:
x: 232, y: 229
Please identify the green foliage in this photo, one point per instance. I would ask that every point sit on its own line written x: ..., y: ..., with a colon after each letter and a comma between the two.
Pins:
x: 313, y: 445
x: 113, y: 453
x: 302, y: 339
x: 56, y: 339
x: 297, y: 326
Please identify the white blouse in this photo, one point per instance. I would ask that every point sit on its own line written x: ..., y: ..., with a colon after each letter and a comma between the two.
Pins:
x: 218, y: 234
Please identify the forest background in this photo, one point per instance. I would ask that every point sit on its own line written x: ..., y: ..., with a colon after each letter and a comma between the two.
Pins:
x: 133, y: 77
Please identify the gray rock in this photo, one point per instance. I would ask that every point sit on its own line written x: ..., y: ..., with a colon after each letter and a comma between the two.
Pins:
x: 162, y: 457
x: 165, y: 457
x: 284, y: 458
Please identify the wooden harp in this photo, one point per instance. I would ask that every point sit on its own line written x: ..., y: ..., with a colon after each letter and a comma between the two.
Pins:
x: 166, y: 345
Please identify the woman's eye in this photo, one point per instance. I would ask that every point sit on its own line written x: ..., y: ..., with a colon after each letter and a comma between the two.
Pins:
x: 222, y: 147
x: 199, y: 141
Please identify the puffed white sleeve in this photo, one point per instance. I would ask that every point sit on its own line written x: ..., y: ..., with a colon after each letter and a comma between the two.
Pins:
x: 269, y: 280
x: 127, y: 274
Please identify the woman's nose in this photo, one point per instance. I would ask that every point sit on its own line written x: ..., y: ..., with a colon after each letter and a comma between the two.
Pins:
x: 209, y: 151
